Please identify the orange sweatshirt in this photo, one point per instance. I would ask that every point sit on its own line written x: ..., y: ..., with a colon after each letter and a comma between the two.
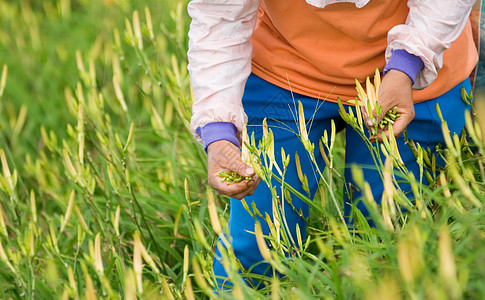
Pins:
x: 318, y: 52
x: 317, y: 48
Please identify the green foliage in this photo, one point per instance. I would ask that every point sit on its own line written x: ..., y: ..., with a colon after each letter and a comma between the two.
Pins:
x: 103, y: 189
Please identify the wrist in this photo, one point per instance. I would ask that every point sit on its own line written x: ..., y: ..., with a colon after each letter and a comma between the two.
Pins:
x: 218, y: 145
x: 399, y: 75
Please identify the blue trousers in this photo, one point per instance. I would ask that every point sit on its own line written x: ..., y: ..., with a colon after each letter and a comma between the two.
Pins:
x: 265, y: 100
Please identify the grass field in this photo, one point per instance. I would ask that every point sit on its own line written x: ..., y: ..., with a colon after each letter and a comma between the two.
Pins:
x: 103, y: 190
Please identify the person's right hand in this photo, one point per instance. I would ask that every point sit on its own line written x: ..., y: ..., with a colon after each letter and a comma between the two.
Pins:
x: 225, y: 156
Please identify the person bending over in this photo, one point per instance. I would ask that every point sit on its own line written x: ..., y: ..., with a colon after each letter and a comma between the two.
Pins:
x: 251, y: 59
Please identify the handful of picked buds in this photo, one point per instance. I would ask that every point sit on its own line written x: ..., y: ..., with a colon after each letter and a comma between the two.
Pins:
x: 369, y: 100
x: 389, y: 118
x: 231, y: 177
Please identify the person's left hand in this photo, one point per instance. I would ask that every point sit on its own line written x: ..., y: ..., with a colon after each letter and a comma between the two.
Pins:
x: 395, y: 91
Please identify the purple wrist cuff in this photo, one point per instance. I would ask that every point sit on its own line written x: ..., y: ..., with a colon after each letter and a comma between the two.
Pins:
x: 405, y: 62
x: 217, y: 131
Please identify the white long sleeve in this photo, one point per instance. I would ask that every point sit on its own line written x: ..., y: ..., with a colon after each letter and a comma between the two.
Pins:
x: 220, y: 58
x: 430, y: 28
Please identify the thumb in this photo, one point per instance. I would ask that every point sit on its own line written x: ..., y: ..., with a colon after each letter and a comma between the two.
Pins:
x: 244, y: 170
x: 366, y: 118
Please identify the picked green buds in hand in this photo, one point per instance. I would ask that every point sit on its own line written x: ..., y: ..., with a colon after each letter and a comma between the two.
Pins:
x: 389, y: 118
x: 231, y: 177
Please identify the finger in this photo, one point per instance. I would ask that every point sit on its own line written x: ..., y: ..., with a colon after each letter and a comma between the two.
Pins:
x: 255, y: 185
x: 257, y: 180
x: 253, y: 181
x: 224, y: 188
x: 252, y: 184
x: 240, y: 196
x: 401, y: 123
x: 231, y: 189
x: 244, y: 193
x: 239, y: 167
x: 250, y: 191
x: 378, y: 135
x: 237, y: 188
x: 367, y: 120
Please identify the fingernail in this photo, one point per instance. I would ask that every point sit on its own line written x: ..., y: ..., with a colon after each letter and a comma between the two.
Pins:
x: 370, y: 123
x: 249, y: 171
